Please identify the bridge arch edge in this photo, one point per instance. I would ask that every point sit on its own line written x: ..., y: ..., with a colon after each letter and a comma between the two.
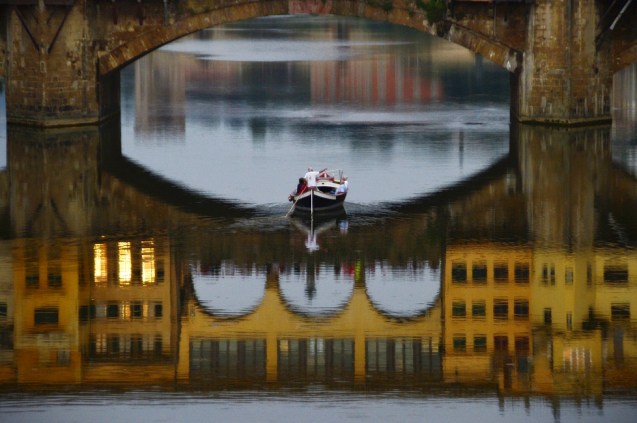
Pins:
x: 122, y: 55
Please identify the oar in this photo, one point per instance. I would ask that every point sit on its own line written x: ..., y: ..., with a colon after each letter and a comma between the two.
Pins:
x: 298, y: 197
x: 292, y: 208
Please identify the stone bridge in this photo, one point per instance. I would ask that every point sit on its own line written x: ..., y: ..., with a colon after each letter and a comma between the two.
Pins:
x: 61, y: 58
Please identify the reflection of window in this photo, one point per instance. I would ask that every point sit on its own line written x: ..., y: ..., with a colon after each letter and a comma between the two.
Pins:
x: 458, y: 309
x: 521, y: 344
x: 521, y: 309
x: 616, y: 274
x: 137, y: 310
x: 478, y: 309
x: 501, y: 309
x: 159, y: 274
x: 100, y: 343
x: 479, y: 272
x: 569, y: 276
x: 112, y: 311
x: 620, y: 311
x: 159, y: 311
x: 500, y: 342
x: 125, y: 263
x: 32, y: 280
x: 112, y: 344
x: 500, y: 272
x: 3, y: 310
x: 100, y: 274
x: 125, y: 310
x: 148, y: 262
x: 63, y: 358
x: 479, y: 343
x: 576, y: 359
x: 521, y: 273
x: 46, y: 316
x: 548, y: 316
x: 54, y: 280
x: 458, y: 272
x: 548, y: 274
x: 459, y: 343
x: 212, y: 359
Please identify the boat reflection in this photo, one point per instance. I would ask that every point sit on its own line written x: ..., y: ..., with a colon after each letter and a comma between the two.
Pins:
x: 312, y: 227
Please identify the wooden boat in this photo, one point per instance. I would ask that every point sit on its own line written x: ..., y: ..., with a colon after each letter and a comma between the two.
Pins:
x: 328, y: 195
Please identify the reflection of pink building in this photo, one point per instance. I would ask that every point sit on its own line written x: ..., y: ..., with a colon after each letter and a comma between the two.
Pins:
x: 371, y: 82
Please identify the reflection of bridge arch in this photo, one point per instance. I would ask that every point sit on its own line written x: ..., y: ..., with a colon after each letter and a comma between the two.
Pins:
x: 315, y: 292
x: 232, y: 293
x: 218, y: 292
x: 410, y: 297
x: 272, y: 334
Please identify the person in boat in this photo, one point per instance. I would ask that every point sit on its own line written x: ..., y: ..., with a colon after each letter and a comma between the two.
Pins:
x: 301, y: 187
x: 343, y: 187
x: 311, y: 176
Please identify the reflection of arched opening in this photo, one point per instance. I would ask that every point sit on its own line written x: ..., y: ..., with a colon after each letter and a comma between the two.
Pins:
x: 229, y: 291
x: 402, y: 292
x: 316, y: 291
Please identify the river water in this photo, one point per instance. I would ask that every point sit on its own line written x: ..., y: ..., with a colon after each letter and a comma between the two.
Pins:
x: 480, y: 269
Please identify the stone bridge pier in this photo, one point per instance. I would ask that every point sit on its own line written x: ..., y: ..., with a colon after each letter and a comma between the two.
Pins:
x: 61, y: 58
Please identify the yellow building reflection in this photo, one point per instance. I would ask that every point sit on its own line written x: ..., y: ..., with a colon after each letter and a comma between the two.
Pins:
x: 487, y: 329
x: 510, y: 318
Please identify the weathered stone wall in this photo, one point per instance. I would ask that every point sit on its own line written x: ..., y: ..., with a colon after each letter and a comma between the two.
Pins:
x: 61, y: 63
x: 51, y: 73
x: 564, y: 79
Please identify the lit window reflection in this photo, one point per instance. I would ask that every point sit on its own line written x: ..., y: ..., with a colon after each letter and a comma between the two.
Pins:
x: 100, y: 343
x: 100, y: 263
x: 125, y: 263
x: 148, y: 262
x: 125, y: 311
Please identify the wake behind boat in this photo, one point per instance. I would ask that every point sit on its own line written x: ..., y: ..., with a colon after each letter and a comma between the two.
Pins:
x: 319, y: 192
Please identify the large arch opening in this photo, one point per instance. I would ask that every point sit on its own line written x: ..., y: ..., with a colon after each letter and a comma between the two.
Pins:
x: 274, y: 95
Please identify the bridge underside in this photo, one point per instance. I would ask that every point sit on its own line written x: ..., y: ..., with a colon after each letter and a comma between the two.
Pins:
x: 62, y: 57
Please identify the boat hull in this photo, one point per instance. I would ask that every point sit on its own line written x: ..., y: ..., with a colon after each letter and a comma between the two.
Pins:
x: 318, y: 201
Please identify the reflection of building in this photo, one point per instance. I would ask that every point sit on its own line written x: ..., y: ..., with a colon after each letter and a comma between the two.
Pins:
x: 371, y: 82
x: 160, y: 82
x: 582, y: 311
x: 79, y: 316
x: 7, y: 357
x: 487, y: 332
x: 46, y: 334
x: 544, y: 321
x: 280, y: 341
x: 128, y: 310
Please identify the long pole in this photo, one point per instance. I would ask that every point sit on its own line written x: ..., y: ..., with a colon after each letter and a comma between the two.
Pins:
x: 312, y: 203
x: 292, y: 208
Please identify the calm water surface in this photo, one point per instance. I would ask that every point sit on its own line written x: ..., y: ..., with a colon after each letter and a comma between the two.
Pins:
x: 481, y: 270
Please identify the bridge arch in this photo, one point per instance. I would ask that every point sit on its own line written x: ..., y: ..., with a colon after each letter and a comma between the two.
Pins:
x: 62, y: 57
x: 402, y: 13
